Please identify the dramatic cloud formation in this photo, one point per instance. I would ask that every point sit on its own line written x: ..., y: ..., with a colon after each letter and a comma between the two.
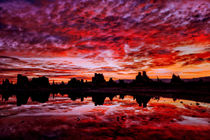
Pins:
x: 75, y: 38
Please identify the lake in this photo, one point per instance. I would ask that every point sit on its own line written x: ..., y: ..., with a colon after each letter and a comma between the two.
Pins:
x: 104, y: 117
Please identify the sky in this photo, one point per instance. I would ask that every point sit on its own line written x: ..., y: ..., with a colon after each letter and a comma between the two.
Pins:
x: 62, y: 39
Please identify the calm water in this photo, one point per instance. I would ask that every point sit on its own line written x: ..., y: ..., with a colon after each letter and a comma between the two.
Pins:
x: 115, y: 117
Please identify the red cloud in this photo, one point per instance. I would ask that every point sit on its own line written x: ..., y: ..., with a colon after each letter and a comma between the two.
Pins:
x: 99, y: 32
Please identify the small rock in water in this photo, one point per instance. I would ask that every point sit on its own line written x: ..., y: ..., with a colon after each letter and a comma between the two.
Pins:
x: 118, y: 118
x: 123, y: 118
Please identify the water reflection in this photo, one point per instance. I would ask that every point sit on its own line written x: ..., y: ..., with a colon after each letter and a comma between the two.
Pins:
x: 97, y: 98
x: 22, y: 98
x: 93, y: 115
x: 142, y: 100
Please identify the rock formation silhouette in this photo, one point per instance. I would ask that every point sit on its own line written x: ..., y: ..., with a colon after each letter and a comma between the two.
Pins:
x: 22, y: 81
x: 111, y: 83
x: 142, y: 83
x: 74, y: 83
x: 176, y: 79
x: 139, y: 78
x: 6, y: 84
x: 40, y: 82
x: 142, y: 78
x: 98, y: 79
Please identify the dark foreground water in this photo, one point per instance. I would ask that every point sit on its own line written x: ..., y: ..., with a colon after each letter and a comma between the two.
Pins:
x: 113, y: 117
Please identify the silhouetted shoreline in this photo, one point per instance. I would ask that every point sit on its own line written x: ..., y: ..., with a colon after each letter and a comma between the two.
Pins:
x: 40, y: 88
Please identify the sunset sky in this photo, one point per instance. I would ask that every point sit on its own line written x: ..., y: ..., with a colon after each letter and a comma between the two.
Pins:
x: 62, y: 39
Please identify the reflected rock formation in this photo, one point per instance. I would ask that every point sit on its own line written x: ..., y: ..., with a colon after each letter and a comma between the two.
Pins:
x: 22, y: 98
x: 142, y: 100
x: 73, y: 97
x: 111, y: 97
x: 41, y: 97
x: 98, y: 99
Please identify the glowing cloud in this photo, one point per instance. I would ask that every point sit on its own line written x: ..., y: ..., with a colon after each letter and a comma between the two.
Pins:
x: 69, y: 38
